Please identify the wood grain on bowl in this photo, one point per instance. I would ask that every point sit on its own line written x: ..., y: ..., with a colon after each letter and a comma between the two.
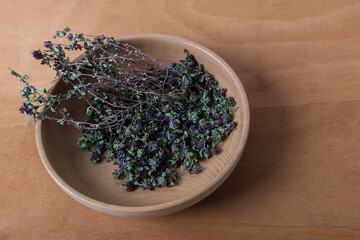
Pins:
x: 92, y: 184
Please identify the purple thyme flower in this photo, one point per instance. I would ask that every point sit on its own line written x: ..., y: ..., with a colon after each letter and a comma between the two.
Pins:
x: 197, y: 169
x: 151, y: 112
x: 227, y: 132
x: 142, y: 162
x: 190, y: 61
x: 48, y: 44
x: 175, y: 148
x: 115, y: 173
x: 186, y: 147
x: 165, y: 107
x: 75, y: 45
x: 211, y: 82
x: 130, y: 186
x: 221, y: 92
x: 231, y: 101
x: 233, y: 125
x: 27, y: 89
x: 37, y: 54
x: 206, y: 100
x: 217, y: 122
x: 95, y: 156
x: 133, y: 143
x: 184, y: 117
x: 187, y: 159
x: 181, y: 68
x: 161, y: 116
x: 24, y: 110
x: 216, y: 115
x: 138, y: 126
x: 184, y: 127
x: 70, y: 36
x: 173, y: 123
x: 144, y: 173
x: 201, y: 144
x: 214, y: 150
x: 225, y: 120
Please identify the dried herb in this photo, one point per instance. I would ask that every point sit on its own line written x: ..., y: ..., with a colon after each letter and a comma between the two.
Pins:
x: 149, y: 117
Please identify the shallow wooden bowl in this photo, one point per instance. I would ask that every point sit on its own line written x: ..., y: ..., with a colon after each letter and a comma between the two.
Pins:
x: 93, y: 185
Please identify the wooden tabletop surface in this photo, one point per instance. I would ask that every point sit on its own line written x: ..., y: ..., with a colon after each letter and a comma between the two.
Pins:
x: 299, y: 61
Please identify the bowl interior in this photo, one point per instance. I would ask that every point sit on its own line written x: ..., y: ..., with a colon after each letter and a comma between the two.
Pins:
x: 72, y: 169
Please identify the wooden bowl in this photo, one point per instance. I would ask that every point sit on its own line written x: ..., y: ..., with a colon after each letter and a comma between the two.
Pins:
x: 93, y: 185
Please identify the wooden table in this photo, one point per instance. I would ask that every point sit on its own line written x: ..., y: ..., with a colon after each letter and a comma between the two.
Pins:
x: 299, y: 61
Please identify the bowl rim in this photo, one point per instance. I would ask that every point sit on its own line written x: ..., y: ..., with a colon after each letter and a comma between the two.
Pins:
x: 174, y: 205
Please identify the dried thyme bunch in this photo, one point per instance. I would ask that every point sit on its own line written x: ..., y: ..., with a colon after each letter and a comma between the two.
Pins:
x: 108, y: 72
x: 150, y: 118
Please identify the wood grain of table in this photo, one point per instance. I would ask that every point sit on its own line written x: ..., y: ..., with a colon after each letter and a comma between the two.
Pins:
x: 299, y: 61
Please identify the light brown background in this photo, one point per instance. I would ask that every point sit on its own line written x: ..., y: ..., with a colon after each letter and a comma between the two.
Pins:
x: 299, y: 61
